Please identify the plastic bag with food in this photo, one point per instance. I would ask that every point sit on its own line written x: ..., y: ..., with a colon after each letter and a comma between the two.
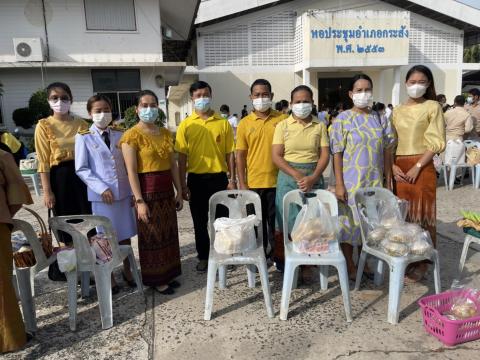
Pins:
x: 422, y: 244
x: 465, y: 306
x: 400, y: 234
x: 376, y: 236
x: 315, y: 230
x: 101, y: 248
x: 67, y: 260
x: 393, y: 248
x: 389, y: 214
x: 234, y: 236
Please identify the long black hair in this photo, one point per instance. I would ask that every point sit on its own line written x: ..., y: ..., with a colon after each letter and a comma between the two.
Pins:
x: 430, y: 94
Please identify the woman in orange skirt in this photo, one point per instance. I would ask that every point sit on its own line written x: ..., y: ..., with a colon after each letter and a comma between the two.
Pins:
x: 420, y: 128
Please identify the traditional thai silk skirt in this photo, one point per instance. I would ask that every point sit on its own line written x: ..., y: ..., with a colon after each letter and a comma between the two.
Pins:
x: 421, y: 195
x: 158, y: 243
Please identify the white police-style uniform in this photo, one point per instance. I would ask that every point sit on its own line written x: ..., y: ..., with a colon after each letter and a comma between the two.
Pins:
x: 102, y: 168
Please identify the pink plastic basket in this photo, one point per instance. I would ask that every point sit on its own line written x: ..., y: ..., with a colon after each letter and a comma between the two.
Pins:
x: 450, y: 332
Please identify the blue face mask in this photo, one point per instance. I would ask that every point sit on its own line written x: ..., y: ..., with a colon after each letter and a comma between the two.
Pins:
x: 148, y: 114
x: 202, y: 104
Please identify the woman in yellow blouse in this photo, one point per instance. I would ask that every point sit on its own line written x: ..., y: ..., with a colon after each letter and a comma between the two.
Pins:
x: 300, y: 151
x: 152, y: 172
x: 13, y: 193
x: 420, y: 128
x: 63, y: 191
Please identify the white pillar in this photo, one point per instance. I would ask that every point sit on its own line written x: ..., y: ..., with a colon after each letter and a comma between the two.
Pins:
x: 396, y: 86
x: 306, y: 77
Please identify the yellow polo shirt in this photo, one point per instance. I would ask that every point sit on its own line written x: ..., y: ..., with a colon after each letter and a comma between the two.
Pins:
x: 205, y: 142
x: 302, y: 143
x: 255, y: 135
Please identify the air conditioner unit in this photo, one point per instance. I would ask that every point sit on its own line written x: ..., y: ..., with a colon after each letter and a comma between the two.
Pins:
x: 28, y: 49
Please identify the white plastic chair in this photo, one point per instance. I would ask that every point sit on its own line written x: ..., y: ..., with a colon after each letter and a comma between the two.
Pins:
x: 25, y: 276
x: 450, y: 170
x: 366, y: 200
x: 77, y: 227
x: 293, y: 259
x: 477, y: 176
x: 33, y: 175
x: 236, y: 201
x: 469, y: 239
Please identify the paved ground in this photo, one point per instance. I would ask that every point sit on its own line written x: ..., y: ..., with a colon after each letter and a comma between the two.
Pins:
x: 172, y: 327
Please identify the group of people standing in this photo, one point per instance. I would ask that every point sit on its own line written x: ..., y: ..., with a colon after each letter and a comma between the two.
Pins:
x: 140, y: 177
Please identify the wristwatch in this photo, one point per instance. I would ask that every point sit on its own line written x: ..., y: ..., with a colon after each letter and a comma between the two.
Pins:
x: 139, y: 201
x: 419, y: 165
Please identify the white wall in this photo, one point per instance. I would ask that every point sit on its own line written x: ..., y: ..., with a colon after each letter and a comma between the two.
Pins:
x: 68, y: 38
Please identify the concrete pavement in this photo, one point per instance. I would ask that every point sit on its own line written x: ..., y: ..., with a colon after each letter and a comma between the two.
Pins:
x: 172, y: 327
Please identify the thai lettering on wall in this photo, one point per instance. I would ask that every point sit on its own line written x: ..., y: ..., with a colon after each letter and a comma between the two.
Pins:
x: 364, y: 37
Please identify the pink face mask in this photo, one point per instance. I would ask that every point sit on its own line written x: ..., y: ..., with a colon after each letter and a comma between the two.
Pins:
x: 60, y: 106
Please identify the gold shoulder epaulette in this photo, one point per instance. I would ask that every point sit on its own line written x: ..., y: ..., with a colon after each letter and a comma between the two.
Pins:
x: 84, y: 132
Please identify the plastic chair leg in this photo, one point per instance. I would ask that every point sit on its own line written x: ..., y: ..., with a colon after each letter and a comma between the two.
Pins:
x: 445, y: 176
x: 263, y: 270
x: 135, y: 273
x: 222, y: 277
x: 36, y: 184
x: 251, y: 274
x: 32, y: 280
x: 72, y: 298
x: 85, y: 283
x: 295, y: 277
x: 436, y: 274
x: 26, y: 298
x: 288, y: 280
x: 324, y: 277
x: 211, y: 277
x: 361, y: 266
x: 378, y: 273
x: 463, y: 257
x: 477, y: 177
x: 397, y: 273
x: 453, y: 173
x: 344, y: 285
x: 103, y: 284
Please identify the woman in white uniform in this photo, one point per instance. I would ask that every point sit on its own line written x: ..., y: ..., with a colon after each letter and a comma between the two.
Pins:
x: 99, y: 163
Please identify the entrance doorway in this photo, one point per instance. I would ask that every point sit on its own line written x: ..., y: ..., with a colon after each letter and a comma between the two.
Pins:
x: 334, y: 91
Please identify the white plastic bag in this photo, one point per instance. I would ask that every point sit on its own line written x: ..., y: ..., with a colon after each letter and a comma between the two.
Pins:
x: 314, y: 228
x: 455, y: 152
x: 235, y: 235
x: 67, y: 260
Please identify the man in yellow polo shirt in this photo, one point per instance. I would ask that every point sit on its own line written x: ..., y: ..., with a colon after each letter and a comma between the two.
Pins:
x: 255, y: 167
x: 205, y: 142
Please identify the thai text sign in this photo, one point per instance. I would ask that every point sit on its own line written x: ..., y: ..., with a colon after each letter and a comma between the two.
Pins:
x: 357, y: 38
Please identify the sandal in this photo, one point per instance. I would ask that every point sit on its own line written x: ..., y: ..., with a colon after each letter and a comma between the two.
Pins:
x: 130, y: 283
x: 174, y: 284
x: 416, y: 273
x: 167, y: 291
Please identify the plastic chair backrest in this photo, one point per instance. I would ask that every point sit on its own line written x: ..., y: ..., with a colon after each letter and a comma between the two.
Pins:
x: 32, y: 155
x: 295, y: 197
x: 367, y: 199
x: 27, y: 229
x: 78, y: 231
x: 236, y: 201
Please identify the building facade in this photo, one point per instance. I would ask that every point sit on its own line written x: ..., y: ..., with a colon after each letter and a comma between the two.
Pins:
x: 114, y: 47
x: 323, y: 43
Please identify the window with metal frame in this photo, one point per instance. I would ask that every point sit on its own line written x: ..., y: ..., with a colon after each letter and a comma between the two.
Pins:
x: 120, y: 85
x: 110, y: 15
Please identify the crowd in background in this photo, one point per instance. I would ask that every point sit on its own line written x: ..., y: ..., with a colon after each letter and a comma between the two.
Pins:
x: 140, y: 177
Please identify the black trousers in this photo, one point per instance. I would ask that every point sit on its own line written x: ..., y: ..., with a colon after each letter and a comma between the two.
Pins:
x: 202, y: 187
x: 267, y: 198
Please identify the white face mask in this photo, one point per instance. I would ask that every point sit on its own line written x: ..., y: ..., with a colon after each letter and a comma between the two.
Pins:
x: 302, y: 110
x: 60, y: 106
x: 470, y: 100
x: 101, y: 120
x: 362, y: 100
x: 262, y: 104
x: 416, y: 90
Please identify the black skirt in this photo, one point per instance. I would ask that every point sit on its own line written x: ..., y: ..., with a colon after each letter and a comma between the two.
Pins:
x: 70, y: 193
